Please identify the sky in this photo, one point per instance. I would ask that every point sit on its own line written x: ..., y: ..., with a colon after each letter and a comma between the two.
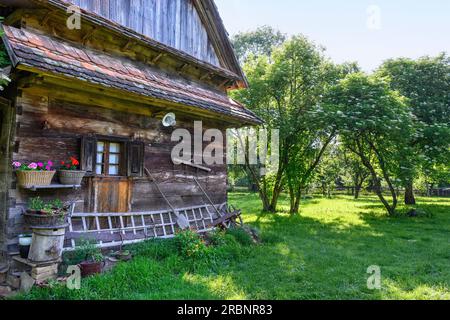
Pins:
x: 368, y: 32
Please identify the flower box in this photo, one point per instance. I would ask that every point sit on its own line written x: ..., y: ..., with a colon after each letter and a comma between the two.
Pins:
x: 69, y: 173
x: 71, y: 177
x: 28, y: 179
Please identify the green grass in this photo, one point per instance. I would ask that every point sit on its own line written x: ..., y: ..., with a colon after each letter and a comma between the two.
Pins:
x: 322, y: 254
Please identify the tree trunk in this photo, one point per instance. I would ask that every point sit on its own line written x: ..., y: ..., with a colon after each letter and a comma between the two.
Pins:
x: 409, y: 194
x: 295, y: 205
x: 357, y: 191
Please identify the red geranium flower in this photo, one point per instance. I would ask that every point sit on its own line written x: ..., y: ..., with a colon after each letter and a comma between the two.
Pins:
x: 74, y: 161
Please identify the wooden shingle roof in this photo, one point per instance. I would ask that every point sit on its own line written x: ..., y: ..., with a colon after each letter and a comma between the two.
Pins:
x: 32, y: 50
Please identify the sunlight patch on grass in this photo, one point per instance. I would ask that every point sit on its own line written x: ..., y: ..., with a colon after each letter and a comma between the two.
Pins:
x: 221, y: 285
x: 394, y: 290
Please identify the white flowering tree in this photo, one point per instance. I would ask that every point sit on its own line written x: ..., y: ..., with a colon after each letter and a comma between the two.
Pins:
x: 426, y: 84
x: 374, y: 122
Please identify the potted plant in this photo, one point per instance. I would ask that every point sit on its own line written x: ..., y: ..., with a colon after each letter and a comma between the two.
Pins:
x: 94, y: 260
x: 69, y: 173
x: 50, y: 214
x: 34, y: 174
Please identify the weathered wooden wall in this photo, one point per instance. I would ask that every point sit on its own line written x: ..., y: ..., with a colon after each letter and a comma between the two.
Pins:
x: 6, y: 120
x: 175, y: 23
x: 50, y: 128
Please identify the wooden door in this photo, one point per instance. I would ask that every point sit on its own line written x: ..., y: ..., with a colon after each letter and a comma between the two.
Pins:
x: 111, y: 195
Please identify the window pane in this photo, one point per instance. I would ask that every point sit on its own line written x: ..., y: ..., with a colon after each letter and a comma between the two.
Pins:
x: 99, y: 169
x: 114, y: 170
x: 100, y: 158
x: 114, y: 147
x: 114, y: 159
x: 100, y: 146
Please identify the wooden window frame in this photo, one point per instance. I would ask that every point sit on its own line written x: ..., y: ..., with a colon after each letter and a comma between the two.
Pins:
x: 131, y: 159
x: 106, y: 156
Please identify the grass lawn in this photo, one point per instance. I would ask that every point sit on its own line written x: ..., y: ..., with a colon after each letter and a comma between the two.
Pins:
x: 322, y: 254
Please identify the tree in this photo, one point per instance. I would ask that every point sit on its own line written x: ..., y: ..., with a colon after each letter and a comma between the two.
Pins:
x: 426, y: 84
x: 4, y: 62
x: 375, y: 124
x: 260, y: 42
x: 286, y: 90
x: 330, y: 170
x: 353, y: 172
x: 4, y: 58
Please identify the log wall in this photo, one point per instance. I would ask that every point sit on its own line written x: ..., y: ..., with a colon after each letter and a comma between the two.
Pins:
x: 6, y: 120
x: 51, y: 128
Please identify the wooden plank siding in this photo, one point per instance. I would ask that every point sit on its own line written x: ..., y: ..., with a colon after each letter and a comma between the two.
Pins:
x: 50, y: 128
x: 175, y: 23
x: 6, y: 121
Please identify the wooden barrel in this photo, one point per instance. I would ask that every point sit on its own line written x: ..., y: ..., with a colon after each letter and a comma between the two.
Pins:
x: 47, y: 244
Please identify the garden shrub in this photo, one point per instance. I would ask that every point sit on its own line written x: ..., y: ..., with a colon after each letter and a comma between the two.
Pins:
x: 217, y: 238
x: 191, y: 245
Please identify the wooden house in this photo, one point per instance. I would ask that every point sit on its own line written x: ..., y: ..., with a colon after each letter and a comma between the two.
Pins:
x: 102, y: 89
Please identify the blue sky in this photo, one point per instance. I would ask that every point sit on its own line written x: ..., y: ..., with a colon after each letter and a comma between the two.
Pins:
x: 351, y: 30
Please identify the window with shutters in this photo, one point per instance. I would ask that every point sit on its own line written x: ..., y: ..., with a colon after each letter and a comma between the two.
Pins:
x: 112, y: 158
x: 108, y: 158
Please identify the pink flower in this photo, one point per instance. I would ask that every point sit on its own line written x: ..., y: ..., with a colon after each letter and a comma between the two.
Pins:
x: 40, y: 165
x: 32, y: 166
x: 16, y: 164
x: 48, y: 168
x: 50, y: 163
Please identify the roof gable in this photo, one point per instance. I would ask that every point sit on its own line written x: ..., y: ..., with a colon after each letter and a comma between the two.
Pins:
x: 175, y: 23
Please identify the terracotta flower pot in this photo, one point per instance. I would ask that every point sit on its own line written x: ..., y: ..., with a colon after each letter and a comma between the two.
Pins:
x: 71, y: 177
x: 28, y: 179
x: 89, y: 268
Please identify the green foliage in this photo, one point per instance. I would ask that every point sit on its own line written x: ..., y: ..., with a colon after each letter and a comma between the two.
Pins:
x: 322, y: 254
x: 86, y: 250
x: 241, y: 236
x: 217, y: 238
x: 191, y: 245
x: 158, y: 249
x: 36, y: 204
x: 4, y: 61
x: 260, y: 42
x: 374, y: 122
x: 286, y: 90
x: 4, y: 58
x: 54, y: 207
x: 426, y: 84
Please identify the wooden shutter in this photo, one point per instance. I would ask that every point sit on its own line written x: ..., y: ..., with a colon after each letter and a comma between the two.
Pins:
x: 88, y: 154
x: 136, y: 152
